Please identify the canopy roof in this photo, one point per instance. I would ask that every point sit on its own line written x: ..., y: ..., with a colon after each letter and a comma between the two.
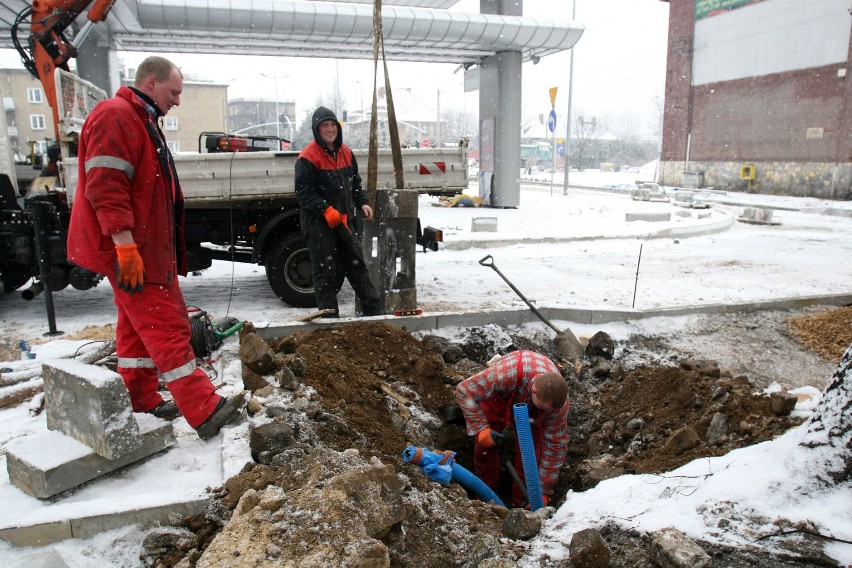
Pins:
x: 414, y: 30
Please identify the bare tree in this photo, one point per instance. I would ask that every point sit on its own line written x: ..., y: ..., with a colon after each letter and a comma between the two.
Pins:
x: 656, y: 125
x: 585, y: 132
x: 459, y: 124
x: 624, y: 125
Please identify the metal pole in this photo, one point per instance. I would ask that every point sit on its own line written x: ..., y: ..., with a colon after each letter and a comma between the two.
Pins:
x: 570, y: 99
x: 277, y: 116
x: 439, y: 120
x: 39, y: 212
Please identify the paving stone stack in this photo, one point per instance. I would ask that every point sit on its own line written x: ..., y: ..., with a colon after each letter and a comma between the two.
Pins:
x: 92, y: 431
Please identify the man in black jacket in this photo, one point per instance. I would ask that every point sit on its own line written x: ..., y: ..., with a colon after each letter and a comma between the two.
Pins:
x: 329, y: 190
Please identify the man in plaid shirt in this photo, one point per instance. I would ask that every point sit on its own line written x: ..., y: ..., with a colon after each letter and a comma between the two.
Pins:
x: 486, y: 399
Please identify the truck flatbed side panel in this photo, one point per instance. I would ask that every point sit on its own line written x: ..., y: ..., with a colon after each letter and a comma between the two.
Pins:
x: 230, y: 178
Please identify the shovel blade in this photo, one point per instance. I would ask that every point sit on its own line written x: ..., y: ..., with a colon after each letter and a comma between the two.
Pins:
x: 568, y: 345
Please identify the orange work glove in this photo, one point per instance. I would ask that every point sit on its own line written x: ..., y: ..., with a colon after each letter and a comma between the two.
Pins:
x: 344, y: 219
x: 129, y: 270
x: 488, y: 438
x: 332, y: 216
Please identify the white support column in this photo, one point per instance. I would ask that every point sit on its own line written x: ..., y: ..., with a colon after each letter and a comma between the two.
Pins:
x: 500, y: 116
x: 97, y: 62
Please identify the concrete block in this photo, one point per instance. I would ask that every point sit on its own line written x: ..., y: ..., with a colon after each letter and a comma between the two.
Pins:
x: 51, y: 462
x: 88, y: 527
x: 37, y: 535
x: 646, y: 216
x: 684, y: 196
x: 484, y: 224
x: 693, y: 179
x: 91, y: 405
x: 757, y: 215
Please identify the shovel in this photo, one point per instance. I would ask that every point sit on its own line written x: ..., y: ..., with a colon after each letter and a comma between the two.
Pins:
x: 565, y: 341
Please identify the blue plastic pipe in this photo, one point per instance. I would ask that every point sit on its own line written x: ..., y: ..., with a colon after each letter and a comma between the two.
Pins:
x: 461, y: 475
x: 525, y: 442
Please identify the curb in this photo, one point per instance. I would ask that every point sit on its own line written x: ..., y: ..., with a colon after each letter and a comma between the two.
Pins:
x: 428, y: 322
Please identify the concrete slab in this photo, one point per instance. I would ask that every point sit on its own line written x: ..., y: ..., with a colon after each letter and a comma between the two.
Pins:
x: 87, y: 527
x: 91, y: 405
x: 37, y: 535
x: 69, y: 463
x: 648, y: 216
x: 479, y: 224
x: 43, y: 534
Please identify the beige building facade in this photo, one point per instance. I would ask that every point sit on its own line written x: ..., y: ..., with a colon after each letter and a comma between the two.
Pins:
x: 29, y: 118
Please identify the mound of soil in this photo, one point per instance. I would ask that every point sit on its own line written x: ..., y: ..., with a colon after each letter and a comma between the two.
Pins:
x: 827, y: 333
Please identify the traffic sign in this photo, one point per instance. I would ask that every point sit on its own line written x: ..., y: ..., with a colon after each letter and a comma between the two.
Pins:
x: 551, y: 121
x: 553, y: 96
x: 560, y: 148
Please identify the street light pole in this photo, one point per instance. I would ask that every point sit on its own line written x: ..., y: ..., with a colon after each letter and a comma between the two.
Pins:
x: 570, y: 99
x: 277, y: 116
x: 360, y: 99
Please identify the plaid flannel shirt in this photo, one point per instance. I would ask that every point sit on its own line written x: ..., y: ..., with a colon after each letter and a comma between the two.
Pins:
x: 510, y: 376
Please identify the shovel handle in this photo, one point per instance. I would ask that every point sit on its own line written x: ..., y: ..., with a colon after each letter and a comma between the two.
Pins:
x: 489, y: 262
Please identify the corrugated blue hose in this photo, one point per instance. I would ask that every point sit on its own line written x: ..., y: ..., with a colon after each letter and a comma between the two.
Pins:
x: 525, y: 442
x: 460, y: 475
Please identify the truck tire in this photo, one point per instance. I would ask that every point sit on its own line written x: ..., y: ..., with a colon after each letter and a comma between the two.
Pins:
x: 12, y: 280
x: 288, y: 269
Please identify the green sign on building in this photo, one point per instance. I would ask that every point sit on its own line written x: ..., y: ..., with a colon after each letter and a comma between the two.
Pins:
x: 707, y: 8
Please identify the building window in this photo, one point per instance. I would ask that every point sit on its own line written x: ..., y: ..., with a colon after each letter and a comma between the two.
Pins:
x: 173, y: 146
x: 37, y: 121
x: 171, y: 123
x: 34, y: 95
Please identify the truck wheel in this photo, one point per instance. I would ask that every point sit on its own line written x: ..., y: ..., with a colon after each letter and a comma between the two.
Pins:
x: 288, y: 269
x: 11, y: 280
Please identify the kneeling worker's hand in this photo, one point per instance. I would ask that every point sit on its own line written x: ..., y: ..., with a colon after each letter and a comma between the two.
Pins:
x: 490, y: 439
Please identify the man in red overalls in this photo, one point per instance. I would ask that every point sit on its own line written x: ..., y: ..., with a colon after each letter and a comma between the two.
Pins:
x: 486, y: 400
x: 127, y: 223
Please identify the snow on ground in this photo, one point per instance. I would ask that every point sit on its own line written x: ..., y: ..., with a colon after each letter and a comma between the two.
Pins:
x: 574, y: 250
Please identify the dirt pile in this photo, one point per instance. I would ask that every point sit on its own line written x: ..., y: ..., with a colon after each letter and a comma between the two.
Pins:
x: 368, y: 390
x: 827, y: 333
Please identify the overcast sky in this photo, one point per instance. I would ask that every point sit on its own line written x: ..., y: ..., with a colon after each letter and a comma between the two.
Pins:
x: 619, y: 69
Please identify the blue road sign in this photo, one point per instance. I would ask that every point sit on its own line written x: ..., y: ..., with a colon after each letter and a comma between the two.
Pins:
x: 551, y: 121
x: 560, y: 148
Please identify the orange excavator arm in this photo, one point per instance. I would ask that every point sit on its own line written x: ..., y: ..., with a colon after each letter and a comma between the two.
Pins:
x: 47, y: 46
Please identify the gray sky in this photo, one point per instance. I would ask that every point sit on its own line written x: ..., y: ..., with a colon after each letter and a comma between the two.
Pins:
x: 619, y: 69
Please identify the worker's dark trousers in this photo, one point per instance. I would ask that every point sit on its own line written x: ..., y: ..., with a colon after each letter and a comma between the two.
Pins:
x: 152, y: 341
x: 486, y: 461
x: 334, y: 251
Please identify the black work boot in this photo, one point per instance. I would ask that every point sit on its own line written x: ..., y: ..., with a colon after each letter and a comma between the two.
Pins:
x: 166, y: 410
x: 226, y: 411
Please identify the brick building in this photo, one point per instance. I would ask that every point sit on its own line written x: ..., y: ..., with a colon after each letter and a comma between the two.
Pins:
x: 759, y: 88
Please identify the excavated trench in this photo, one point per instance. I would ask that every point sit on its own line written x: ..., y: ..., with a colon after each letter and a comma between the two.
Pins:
x: 356, y: 395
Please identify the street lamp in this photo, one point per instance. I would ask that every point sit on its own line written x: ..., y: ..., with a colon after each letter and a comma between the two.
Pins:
x: 361, y: 99
x: 568, y: 121
x: 277, y: 115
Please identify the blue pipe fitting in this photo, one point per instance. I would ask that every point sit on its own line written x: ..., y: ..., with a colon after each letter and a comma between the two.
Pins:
x: 428, y: 460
